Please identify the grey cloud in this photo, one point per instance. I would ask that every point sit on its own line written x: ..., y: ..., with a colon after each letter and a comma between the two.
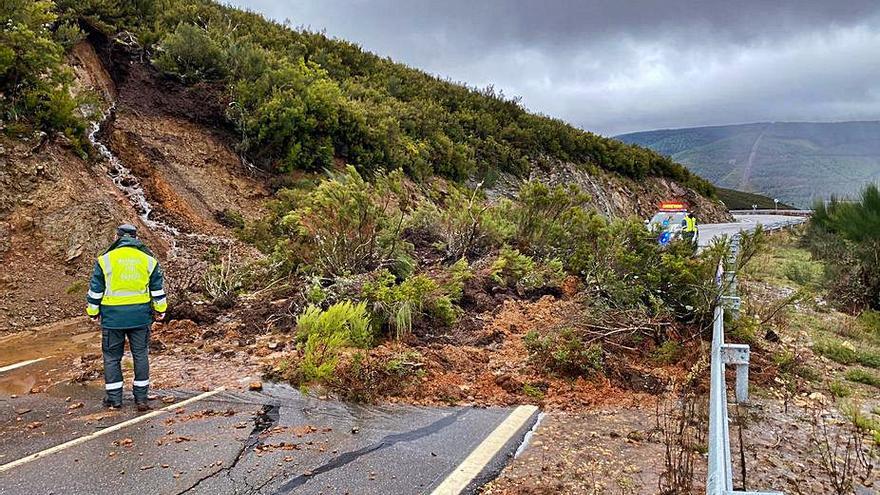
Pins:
x: 616, y: 66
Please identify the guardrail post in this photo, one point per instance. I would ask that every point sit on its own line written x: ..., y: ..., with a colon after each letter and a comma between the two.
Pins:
x: 738, y: 354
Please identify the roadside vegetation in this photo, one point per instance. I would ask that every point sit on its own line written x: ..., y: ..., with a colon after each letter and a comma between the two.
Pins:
x: 409, y: 264
x: 810, y: 341
x: 846, y: 235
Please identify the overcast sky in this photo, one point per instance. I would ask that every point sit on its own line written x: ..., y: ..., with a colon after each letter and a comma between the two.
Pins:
x: 614, y: 66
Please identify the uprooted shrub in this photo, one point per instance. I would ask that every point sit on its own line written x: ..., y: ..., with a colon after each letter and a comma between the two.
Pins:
x: 621, y: 263
x: 321, y: 334
x: 513, y: 269
x: 223, y: 281
x: 565, y: 352
x: 397, y: 306
x: 364, y: 377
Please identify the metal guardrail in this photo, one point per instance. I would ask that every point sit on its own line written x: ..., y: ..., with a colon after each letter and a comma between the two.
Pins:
x: 719, y: 476
x: 792, y: 213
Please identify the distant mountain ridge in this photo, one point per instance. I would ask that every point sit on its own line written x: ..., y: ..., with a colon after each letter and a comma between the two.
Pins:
x: 797, y: 162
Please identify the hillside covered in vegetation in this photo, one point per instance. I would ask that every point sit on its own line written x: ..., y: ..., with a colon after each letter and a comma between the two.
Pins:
x: 741, y: 200
x: 797, y: 162
x: 298, y: 100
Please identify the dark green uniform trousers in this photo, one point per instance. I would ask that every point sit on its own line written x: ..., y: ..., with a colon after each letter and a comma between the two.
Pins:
x: 113, y: 345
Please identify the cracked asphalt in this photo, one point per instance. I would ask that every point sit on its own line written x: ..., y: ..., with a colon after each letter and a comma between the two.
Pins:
x: 273, y: 442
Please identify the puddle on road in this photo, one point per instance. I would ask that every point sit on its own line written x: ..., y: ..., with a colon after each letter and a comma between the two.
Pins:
x: 63, y: 341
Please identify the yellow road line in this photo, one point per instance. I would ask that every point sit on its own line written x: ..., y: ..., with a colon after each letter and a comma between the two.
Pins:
x: 110, y: 429
x: 23, y: 363
x: 474, y: 464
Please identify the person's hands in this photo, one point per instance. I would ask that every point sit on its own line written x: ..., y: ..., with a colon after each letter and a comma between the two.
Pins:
x: 95, y: 319
x: 160, y: 317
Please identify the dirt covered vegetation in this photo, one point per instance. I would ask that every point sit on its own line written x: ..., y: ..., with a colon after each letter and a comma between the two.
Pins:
x: 540, y: 296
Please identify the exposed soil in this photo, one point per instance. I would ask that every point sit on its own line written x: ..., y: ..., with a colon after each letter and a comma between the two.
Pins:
x: 489, y: 364
x: 622, y: 451
x: 58, y: 210
x: 617, y: 451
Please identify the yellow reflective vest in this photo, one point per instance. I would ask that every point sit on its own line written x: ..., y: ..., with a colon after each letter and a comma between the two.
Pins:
x: 126, y: 284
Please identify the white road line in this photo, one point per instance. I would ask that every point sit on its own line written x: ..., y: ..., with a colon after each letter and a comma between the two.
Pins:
x: 471, y: 467
x: 23, y: 363
x: 110, y: 429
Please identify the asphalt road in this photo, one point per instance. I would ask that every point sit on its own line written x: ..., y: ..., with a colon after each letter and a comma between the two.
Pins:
x: 233, y: 442
x: 747, y: 223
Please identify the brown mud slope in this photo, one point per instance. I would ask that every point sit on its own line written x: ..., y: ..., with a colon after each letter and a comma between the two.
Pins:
x: 171, y: 137
x: 56, y: 212
x: 59, y: 210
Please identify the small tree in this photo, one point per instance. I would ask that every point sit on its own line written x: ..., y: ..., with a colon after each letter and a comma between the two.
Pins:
x: 190, y: 54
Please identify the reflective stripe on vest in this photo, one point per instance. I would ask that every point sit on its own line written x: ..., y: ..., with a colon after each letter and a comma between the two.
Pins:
x: 127, y: 273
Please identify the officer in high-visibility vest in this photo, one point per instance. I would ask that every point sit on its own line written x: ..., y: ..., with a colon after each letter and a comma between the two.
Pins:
x: 690, y: 228
x: 125, y: 289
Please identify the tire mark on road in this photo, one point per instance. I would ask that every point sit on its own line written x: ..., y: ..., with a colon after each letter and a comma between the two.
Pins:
x: 388, y: 441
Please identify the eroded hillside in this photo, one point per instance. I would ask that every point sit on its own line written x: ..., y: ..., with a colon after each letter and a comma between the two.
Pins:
x: 59, y: 208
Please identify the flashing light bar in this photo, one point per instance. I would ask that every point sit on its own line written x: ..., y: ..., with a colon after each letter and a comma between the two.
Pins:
x: 673, y: 206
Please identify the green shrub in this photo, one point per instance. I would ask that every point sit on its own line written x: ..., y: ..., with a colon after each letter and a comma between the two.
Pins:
x: 321, y: 335
x: 544, y: 218
x: 789, y: 363
x: 346, y: 320
x: 398, y: 305
x: 459, y: 273
x: 839, y: 389
x: 745, y: 329
x: 847, y: 236
x: 533, y: 391
x: 863, y: 376
x: 34, y: 82
x: 801, y: 272
x: 347, y: 225
x: 516, y: 270
x: 860, y: 420
x: 68, y: 35
x: 562, y: 351
x: 320, y: 357
x: 288, y: 115
x: 870, y: 321
x: 465, y: 224
x: 404, y: 364
x: 668, y: 353
x: 846, y: 353
x: 190, y: 54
